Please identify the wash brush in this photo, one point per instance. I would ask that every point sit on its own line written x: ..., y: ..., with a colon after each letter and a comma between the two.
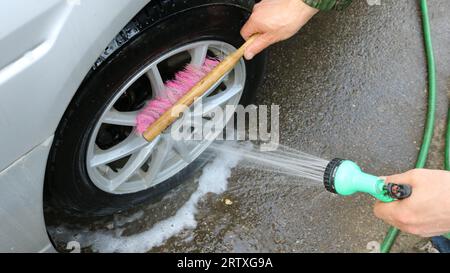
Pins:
x: 181, y: 92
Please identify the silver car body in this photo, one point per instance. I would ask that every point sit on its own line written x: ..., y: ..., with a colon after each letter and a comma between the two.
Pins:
x: 47, y: 47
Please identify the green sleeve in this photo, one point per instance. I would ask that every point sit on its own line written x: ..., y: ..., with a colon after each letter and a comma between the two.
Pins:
x: 325, y: 5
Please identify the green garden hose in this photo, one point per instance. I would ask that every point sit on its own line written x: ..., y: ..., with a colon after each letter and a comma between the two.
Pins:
x: 447, y: 144
x: 392, y: 234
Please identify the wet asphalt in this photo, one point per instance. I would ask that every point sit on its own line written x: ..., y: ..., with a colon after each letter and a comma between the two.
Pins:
x: 353, y: 85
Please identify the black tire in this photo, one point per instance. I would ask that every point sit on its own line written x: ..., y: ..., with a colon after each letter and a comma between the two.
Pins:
x: 162, y: 26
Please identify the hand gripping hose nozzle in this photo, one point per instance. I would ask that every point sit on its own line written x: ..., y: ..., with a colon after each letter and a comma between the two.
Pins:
x: 345, y: 177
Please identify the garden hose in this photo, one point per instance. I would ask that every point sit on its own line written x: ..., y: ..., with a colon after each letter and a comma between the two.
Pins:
x: 392, y: 234
x: 447, y: 144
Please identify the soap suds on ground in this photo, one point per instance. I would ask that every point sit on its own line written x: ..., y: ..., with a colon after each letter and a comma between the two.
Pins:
x: 214, y: 179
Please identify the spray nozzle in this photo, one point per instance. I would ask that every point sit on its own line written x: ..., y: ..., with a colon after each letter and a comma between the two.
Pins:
x: 345, y: 177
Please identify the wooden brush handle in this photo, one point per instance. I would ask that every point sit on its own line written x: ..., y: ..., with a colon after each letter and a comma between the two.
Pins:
x: 197, y: 91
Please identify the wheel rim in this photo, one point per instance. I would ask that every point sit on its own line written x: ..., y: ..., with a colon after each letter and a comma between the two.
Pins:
x: 130, y: 164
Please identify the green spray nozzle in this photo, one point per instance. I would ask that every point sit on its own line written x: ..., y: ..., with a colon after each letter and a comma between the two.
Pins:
x: 345, y: 177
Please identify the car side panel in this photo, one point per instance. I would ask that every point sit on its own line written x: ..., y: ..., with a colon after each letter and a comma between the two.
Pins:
x: 22, y: 228
x: 47, y: 47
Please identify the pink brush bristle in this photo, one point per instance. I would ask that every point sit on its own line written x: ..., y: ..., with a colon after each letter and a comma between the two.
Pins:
x: 175, y: 89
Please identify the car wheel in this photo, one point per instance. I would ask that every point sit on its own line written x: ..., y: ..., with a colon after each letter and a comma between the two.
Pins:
x: 98, y: 165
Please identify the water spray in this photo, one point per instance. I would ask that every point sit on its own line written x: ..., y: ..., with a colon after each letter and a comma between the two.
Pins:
x: 344, y: 177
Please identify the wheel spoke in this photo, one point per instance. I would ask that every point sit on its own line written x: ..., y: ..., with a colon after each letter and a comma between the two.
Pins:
x: 130, y: 145
x: 157, y: 160
x: 156, y: 81
x: 193, y: 129
x: 133, y: 164
x: 205, y: 95
x: 115, y: 117
x: 198, y: 55
x: 209, y: 104
x: 181, y: 147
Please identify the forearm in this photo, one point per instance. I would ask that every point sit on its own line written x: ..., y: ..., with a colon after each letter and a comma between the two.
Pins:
x: 326, y: 5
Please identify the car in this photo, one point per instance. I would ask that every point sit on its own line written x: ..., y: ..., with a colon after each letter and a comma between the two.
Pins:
x: 73, y: 76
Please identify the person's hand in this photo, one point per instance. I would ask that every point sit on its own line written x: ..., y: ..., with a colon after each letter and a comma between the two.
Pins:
x: 275, y: 20
x: 427, y: 212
